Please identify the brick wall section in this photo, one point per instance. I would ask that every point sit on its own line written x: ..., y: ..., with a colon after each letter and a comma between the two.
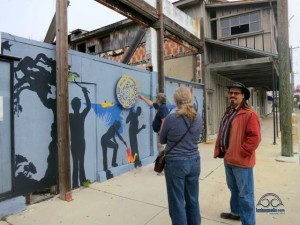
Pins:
x: 171, y: 50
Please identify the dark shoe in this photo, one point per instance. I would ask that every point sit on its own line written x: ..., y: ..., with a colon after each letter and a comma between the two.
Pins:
x: 109, y: 175
x: 137, y: 164
x: 229, y: 216
x: 114, y: 164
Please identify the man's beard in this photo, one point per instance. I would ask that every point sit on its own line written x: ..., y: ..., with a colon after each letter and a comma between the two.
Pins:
x: 232, y: 103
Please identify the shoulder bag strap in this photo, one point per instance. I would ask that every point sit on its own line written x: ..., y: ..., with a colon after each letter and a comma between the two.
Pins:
x: 165, y: 153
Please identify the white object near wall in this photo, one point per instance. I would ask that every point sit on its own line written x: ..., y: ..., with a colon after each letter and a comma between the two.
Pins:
x: 1, y: 108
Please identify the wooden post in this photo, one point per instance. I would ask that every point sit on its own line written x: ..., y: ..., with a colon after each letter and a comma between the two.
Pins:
x: 62, y: 100
x: 203, y: 70
x: 284, y: 79
x: 160, y: 47
x: 273, y: 106
x: 50, y: 36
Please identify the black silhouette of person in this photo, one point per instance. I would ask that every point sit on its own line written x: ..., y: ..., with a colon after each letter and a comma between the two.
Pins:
x: 108, y: 140
x: 77, y: 137
x: 133, y: 131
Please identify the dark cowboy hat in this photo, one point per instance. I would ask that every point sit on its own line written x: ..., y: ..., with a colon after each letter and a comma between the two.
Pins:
x: 245, y: 91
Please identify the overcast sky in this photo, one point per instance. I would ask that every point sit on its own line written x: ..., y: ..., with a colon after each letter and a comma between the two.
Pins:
x: 31, y: 19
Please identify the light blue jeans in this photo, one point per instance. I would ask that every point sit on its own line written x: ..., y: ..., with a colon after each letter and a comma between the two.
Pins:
x: 241, y: 185
x: 182, y: 180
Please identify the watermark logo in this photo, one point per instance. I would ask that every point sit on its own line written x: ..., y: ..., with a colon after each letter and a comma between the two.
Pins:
x: 270, y: 203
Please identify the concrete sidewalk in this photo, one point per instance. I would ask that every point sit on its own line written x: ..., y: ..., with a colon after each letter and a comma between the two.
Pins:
x: 139, y: 196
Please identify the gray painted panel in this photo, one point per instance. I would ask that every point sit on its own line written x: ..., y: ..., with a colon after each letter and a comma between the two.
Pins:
x: 35, y: 129
x: 105, y: 74
x: 12, y: 206
x: 5, y: 131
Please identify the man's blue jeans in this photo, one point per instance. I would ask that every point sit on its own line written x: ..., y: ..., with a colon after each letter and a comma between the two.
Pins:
x: 240, y: 183
x: 182, y: 179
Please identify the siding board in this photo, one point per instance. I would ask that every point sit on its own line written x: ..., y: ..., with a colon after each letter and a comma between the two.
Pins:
x: 250, y: 42
x: 267, y: 42
x: 259, y: 42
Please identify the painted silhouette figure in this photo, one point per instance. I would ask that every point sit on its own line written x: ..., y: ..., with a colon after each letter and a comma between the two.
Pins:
x: 5, y: 46
x: 38, y: 75
x: 77, y: 137
x: 35, y: 77
x: 108, y: 140
x: 133, y: 131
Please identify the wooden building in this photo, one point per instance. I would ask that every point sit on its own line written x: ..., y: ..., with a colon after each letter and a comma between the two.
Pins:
x: 240, y: 45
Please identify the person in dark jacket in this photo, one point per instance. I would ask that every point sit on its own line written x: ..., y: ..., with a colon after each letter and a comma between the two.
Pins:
x: 161, y: 112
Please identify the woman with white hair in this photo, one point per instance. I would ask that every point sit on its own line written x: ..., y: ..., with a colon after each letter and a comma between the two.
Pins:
x: 180, y: 132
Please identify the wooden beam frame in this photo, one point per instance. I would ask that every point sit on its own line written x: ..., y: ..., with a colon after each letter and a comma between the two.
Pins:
x: 130, y: 12
x: 240, y: 3
x: 146, y: 15
x: 181, y: 42
x: 247, y: 71
x: 135, y: 43
x: 241, y: 64
x: 182, y: 33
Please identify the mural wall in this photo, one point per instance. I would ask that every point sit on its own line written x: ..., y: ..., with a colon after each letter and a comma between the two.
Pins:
x: 110, y: 130
x: 5, y: 129
x: 197, y: 90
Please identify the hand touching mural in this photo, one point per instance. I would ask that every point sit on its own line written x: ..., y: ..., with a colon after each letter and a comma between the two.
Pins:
x: 77, y: 137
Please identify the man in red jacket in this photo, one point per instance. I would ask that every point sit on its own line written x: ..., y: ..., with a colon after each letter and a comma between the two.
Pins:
x: 238, y: 138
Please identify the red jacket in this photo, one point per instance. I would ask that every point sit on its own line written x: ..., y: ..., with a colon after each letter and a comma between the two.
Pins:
x: 244, y: 138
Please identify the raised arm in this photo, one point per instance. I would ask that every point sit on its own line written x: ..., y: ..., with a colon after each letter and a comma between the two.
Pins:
x: 87, y: 100
x: 148, y: 101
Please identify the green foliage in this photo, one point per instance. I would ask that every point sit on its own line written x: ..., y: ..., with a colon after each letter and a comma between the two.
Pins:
x: 3, y: 218
x: 86, y: 183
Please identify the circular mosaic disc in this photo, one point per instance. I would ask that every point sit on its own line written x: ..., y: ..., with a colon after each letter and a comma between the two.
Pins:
x: 126, y: 91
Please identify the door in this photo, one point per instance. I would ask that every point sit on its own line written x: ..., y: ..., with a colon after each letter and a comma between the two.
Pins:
x: 5, y: 129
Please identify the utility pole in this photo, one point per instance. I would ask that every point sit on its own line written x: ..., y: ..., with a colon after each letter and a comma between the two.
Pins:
x: 160, y: 47
x: 62, y: 103
x: 284, y: 79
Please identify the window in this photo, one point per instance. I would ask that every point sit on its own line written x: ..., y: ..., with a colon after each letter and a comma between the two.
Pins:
x: 213, y: 14
x: 81, y: 48
x: 92, y: 49
x: 105, y: 43
x: 214, y: 29
x: 243, y: 23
